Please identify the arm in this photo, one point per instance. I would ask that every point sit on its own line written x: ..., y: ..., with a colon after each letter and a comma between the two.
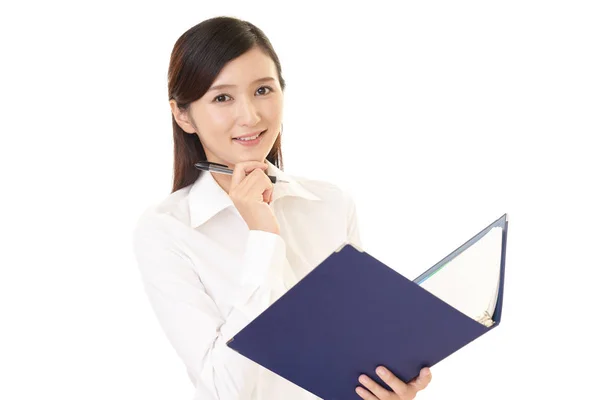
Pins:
x: 191, y: 319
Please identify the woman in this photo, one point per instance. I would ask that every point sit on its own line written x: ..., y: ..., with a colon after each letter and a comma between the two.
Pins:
x: 221, y: 248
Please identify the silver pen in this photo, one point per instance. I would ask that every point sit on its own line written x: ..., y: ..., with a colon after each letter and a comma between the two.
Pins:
x: 223, y: 169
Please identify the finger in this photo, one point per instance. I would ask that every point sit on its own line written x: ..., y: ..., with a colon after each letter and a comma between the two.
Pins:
x: 268, y: 194
x: 243, y: 174
x: 374, y: 387
x: 403, y: 390
x: 240, y: 170
x: 260, y: 185
x: 256, y: 185
x: 421, y: 382
x: 365, y: 394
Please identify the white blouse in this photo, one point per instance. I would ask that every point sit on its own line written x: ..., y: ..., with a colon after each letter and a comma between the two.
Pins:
x: 207, y: 275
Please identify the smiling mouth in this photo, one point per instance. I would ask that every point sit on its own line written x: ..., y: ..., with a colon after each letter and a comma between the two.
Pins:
x: 251, y: 139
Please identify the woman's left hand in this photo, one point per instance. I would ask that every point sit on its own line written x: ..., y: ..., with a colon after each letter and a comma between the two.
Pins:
x: 401, y: 390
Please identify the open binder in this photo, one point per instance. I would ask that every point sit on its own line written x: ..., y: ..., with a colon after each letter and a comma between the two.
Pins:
x: 353, y: 313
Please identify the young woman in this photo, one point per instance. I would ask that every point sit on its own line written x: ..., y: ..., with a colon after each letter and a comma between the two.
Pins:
x: 220, y: 249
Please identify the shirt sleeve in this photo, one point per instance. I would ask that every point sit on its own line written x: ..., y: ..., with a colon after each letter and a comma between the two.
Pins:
x: 190, y: 318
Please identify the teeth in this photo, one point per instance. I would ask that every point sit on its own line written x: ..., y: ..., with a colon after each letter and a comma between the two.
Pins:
x: 249, y: 138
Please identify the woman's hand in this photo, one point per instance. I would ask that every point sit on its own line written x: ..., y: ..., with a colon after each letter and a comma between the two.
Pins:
x: 251, y: 194
x: 401, y: 390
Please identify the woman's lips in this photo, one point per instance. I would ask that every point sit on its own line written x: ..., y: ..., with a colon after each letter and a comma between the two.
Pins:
x: 252, y: 142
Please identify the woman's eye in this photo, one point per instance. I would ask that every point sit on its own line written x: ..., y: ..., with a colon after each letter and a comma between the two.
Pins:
x: 220, y: 98
x: 265, y: 88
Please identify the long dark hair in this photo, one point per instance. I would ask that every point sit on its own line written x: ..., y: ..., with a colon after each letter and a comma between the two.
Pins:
x: 197, y: 58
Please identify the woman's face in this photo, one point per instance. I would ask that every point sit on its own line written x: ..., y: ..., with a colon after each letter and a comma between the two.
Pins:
x: 244, y: 100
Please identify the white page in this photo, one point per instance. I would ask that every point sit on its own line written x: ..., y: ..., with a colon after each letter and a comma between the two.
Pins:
x: 469, y: 282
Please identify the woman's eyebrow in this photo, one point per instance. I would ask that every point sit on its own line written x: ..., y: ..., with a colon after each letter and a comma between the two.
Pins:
x: 223, y: 86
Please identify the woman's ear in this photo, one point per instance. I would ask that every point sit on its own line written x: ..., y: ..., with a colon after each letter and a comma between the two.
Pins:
x: 181, y: 117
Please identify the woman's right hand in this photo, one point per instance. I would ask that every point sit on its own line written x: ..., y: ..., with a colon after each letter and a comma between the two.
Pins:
x: 251, y: 194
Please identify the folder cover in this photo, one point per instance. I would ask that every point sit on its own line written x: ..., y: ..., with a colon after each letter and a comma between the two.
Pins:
x: 353, y: 313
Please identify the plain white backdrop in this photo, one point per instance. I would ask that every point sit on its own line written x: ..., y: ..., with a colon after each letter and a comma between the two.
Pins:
x: 438, y: 117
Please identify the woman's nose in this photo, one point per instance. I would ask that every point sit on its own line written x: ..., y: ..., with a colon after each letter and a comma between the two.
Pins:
x: 247, y: 114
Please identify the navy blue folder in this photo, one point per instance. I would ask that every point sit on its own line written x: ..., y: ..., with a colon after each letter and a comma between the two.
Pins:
x: 353, y: 313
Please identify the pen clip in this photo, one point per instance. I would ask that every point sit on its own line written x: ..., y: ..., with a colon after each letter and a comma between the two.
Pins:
x: 209, y: 163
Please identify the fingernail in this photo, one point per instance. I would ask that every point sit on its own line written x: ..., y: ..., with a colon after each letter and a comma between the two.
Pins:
x: 425, y: 372
x: 381, y: 371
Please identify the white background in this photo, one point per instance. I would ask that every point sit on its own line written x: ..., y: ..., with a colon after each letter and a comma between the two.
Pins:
x: 438, y: 117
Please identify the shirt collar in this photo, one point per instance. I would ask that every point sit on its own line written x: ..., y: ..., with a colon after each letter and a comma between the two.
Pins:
x: 207, y: 198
